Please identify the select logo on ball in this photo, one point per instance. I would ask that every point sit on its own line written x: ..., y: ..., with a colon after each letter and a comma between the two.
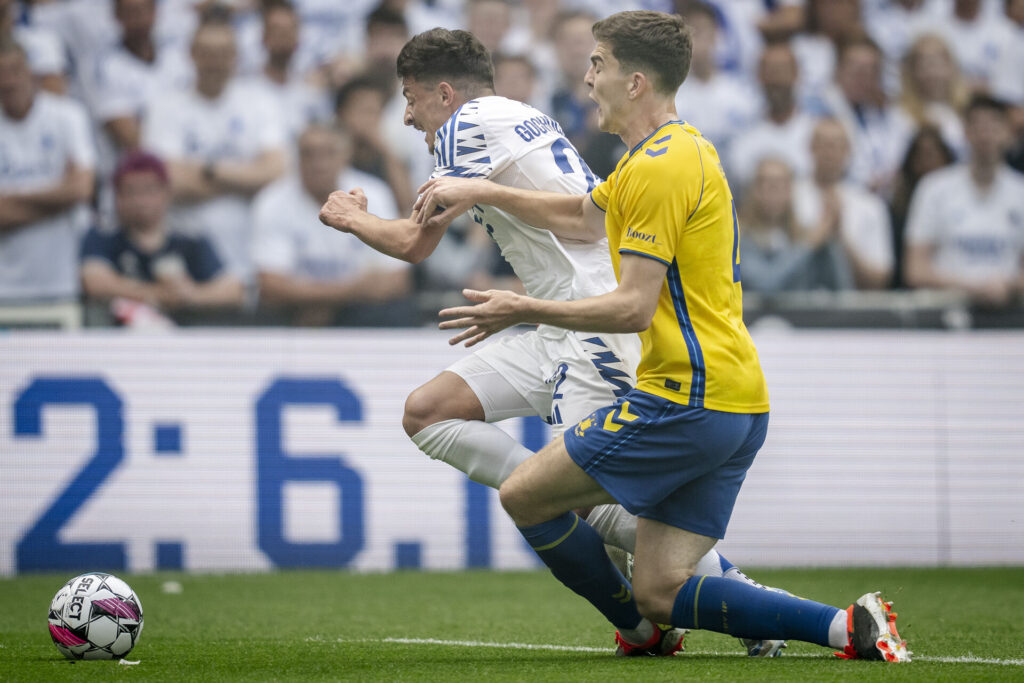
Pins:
x: 95, y: 616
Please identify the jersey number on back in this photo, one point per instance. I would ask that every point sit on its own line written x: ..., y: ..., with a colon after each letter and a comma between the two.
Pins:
x: 561, y: 148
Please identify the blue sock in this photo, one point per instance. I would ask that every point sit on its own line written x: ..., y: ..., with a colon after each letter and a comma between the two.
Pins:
x: 743, y: 611
x: 575, y: 554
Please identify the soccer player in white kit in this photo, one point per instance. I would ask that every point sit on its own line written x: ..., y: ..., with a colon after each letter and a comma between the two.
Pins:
x: 558, y: 374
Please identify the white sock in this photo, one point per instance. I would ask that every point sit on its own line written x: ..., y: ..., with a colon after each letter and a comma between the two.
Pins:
x: 639, y: 635
x: 483, y: 451
x: 615, y: 526
x: 734, y: 574
x: 837, y: 631
x: 618, y: 528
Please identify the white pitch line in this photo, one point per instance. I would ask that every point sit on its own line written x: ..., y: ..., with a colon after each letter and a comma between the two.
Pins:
x: 579, y: 648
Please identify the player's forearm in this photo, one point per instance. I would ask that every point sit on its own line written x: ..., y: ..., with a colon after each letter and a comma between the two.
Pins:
x: 75, y: 187
x: 187, y: 182
x: 920, y: 274
x: 402, y: 238
x: 560, y: 213
x: 16, y: 214
x: 611, y: 312
x: 102, y: 283
x: 866, y: 275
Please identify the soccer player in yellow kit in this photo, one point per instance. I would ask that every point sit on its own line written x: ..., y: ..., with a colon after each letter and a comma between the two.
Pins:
x: 675, y: 450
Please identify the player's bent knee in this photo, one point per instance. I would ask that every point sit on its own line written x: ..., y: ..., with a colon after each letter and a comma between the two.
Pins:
x: 656, y: 596
x: 653, y: 604
x: 515, y: 501
x: 421, y: 410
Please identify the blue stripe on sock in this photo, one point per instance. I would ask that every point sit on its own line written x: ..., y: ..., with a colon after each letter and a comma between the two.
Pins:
x: 575, y: 554
x: 741, y: 610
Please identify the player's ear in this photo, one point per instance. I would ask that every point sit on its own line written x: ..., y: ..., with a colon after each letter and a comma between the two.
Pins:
x: 637, y: 81
x: 447, y: 92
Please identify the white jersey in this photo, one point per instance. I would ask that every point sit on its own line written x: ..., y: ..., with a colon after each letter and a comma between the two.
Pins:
x: 40, y: 260
x: 239, y: 125
x: 977, y: 235
x: 513, y: 144
x: 863, y: 219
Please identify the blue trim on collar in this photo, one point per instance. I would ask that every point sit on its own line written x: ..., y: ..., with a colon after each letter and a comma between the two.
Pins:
x: 653, y: 133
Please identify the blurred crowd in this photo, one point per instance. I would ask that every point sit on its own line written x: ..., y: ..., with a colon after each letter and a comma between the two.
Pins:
x: 164, y: 161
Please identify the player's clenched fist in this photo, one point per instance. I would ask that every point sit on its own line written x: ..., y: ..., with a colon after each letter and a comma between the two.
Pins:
x: 342, y: 207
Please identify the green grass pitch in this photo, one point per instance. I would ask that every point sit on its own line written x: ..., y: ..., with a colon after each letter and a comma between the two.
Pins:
x: 962, y: 624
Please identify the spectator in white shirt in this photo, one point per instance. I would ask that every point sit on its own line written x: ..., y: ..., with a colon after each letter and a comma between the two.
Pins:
x: 829, y: 24
x: 965, y: 230
x: 894, y: 24
x: 776, y: 253
x: 299, y: 101
x: 985, y: 44
x: 860, y: 220
x: 46, y: 176
x: 858, y: 100
x: 319, y: 276
x: 131, y: 74
x: 223, y: 141
x: 490, y: 21
x: 784, y: 130
x: 718, y: 103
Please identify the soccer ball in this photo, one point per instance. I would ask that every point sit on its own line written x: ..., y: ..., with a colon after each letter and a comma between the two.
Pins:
x: 95, y: 616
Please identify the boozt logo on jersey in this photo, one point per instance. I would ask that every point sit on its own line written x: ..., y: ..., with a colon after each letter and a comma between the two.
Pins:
x: 537, y: 126
x: 637, y: 235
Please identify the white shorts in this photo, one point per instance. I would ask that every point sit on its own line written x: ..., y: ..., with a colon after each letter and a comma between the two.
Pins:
x: 561, y: 379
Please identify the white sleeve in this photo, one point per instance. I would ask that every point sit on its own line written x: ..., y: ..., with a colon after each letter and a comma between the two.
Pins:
x: 272, y: 250
x: 923, y: 215
x: 460, y: 146
x: 81, y: 147
x: 875, y: 232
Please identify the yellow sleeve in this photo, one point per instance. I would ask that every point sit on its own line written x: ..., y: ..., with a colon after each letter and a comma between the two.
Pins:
x: 599, y: 195
x: 657, y: 197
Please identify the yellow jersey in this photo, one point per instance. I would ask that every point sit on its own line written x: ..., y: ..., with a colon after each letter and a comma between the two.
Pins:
x: 668, y: 200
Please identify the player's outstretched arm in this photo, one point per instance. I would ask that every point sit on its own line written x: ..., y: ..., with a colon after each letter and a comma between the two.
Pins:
x: 443, y: 199
x: 402, y: 238
x: 629, y: 307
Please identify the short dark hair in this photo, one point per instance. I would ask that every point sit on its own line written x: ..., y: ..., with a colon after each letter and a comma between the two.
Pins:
x: 443, y: 55
x: 654, y: 43
x: 852, y: 43
x: 385, y: 16
x: 358, y: 84
x: 984, y: 101
x: 268, y: 6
